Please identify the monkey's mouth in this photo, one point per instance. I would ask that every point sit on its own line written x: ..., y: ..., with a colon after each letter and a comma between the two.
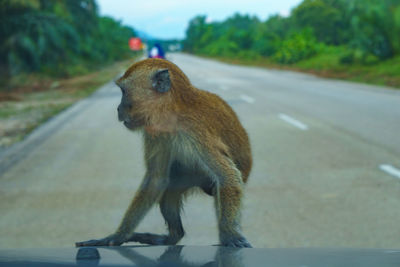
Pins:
x: 132, y: 123
x: 128, y: 124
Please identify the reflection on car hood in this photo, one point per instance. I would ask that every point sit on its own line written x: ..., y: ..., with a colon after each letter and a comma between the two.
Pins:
x: 199, y: 256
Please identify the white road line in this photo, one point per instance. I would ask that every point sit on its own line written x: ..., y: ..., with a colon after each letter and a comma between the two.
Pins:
x: 390, y: 170
x: 293, y: 122
x: 248, y: 99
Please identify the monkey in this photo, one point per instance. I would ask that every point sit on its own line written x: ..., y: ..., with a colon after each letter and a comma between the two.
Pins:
x: 192, y: 140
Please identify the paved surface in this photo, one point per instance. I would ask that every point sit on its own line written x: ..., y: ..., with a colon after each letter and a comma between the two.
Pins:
x: 325, y: 153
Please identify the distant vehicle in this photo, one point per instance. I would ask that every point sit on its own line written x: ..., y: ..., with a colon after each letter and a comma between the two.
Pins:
x: 156, y: 52
x: 175, y: 47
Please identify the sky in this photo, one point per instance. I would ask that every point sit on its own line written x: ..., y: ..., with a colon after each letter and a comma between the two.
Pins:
x: 169, y: 18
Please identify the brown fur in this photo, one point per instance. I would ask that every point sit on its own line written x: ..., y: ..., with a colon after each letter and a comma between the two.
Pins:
x: 192, y: 139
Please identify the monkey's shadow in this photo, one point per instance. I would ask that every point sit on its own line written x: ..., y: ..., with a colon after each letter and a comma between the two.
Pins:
x: 172, y: 256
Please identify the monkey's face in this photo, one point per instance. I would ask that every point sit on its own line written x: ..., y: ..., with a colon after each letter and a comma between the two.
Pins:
x: 140, y: 90
x: 126, y: 111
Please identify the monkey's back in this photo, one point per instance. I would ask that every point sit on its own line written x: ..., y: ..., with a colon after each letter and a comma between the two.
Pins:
x: 216, y: 119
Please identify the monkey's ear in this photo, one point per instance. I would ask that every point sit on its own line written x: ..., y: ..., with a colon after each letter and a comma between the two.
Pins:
x: 161, y: 81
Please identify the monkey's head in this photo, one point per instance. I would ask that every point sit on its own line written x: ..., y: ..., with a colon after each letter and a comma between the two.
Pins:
x: 148, y: 90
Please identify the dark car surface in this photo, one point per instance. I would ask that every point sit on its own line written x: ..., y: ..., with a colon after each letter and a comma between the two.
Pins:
x: 199, y: 256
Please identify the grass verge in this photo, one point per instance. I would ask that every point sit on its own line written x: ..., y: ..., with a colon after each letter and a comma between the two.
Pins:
x: 34, y: 99
x: 386, y: 73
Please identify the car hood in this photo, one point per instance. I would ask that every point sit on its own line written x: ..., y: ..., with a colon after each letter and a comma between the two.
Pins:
x: 194, y: 256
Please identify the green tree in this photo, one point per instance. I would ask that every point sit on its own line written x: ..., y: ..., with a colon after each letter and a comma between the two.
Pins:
x: 375, y: 27
x: 328, y: 22
x: 54, y: 36
x: 266, y: 41
x: 240, y: 29
x: 279, y: 25
x: 298, y: 46
x: 370, y: 28
x: 196, y: 29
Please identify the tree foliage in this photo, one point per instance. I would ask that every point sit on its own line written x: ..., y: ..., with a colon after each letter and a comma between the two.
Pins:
x: 298, y: 46
x: 366, y: 28
x: 58, y: 37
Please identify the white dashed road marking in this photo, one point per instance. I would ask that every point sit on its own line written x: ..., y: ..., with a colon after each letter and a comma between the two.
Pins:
x: 390, y: 170
x: 247, y: 98
x: 293, y: 122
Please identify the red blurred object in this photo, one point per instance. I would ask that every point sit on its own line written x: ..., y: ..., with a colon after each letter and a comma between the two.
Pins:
x: 135, y: 44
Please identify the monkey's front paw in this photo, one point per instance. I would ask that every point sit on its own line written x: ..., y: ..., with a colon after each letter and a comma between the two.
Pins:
x: 112, y: 240
x: 237, y: 242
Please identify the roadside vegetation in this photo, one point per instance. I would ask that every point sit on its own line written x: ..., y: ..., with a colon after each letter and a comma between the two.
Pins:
x: 349, y: 39
x: 53, y: 53
x: 39, y: 100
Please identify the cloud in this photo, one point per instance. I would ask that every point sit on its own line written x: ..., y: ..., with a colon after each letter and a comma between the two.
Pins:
x: 284, y: 13
x: 209, y: 20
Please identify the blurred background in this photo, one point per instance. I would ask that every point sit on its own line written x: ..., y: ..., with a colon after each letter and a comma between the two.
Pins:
x: 44, y: 41
x: 327, y: 151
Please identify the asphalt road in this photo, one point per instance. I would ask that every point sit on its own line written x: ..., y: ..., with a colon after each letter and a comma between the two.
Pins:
x: 326, y: 156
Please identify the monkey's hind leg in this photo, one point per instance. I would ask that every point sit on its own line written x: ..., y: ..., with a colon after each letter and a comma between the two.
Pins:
x: 170, y: 206
x: 228, y: 196
x: 228, y: 210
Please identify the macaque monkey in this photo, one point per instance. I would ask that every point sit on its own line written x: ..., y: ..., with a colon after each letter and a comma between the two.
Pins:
x: 192, y: 139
